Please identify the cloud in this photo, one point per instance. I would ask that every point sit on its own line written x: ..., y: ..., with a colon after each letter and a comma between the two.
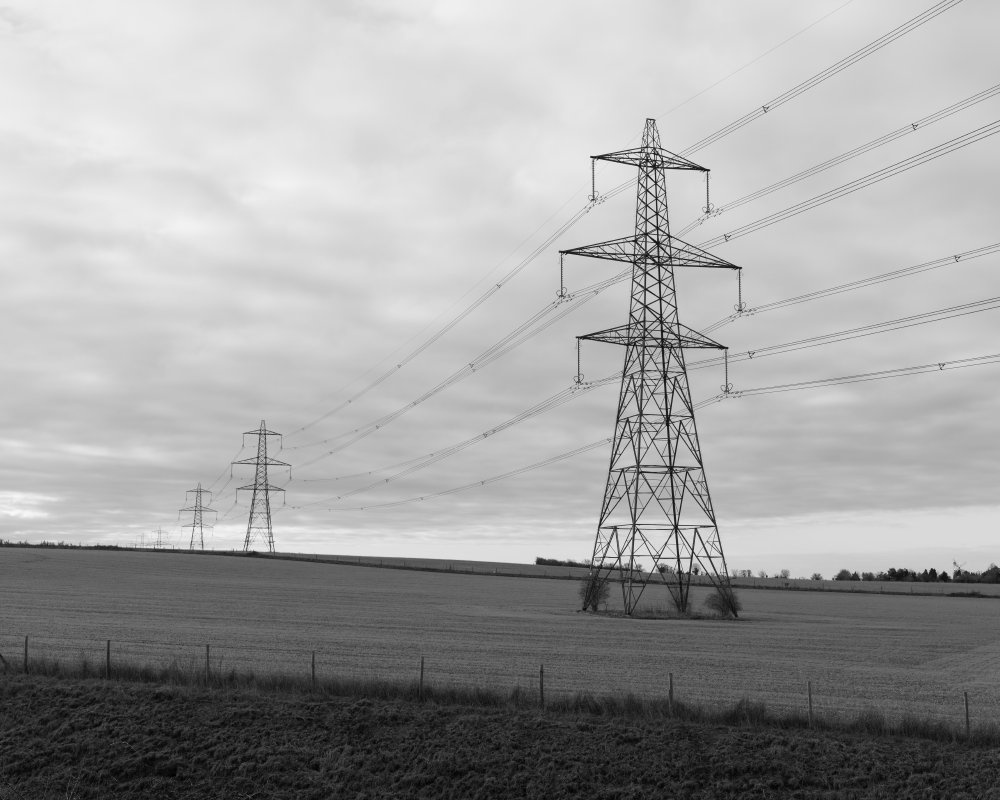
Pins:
x: 213, y: 215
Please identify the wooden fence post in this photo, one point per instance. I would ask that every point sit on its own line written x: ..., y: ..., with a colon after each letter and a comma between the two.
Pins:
x: 670, y: 694
x: 810, y: 690
x: 541, y: 686
x: 968, y: 729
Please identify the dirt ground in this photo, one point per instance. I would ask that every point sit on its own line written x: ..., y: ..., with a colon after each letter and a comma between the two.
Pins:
x: 91, y: 739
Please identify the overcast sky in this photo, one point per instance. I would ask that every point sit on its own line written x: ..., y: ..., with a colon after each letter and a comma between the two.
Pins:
x: 217, y: 213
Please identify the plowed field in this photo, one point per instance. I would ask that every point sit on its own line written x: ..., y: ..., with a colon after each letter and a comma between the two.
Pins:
x: 73, y: 740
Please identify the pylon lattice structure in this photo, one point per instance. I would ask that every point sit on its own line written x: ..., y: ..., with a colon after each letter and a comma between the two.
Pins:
x: 259, y: 523
x: 656, y: 502
x: 197, y: 524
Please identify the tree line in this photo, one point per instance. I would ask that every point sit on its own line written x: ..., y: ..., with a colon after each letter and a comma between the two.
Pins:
x: 957, y: 575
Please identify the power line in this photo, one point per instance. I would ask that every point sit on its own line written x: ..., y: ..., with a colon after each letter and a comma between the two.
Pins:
x: 938, y: 315
x: 565, y: 395
x: 422, y: 462
x: 535, y: 324
x: 454, y: 321
x: 824, y: 75
x: 565, y: 226
x: 900, y: 372
x: 880, y: 141
x: 892, y: 170
x: 940, y: 366
x: 808, y: 84
x: 766, y: 53
x: 896, y: 274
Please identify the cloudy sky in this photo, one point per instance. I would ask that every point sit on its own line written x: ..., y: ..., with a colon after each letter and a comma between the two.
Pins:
x: 213, y: 214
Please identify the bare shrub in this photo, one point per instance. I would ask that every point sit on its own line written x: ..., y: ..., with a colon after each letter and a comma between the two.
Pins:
x: 594, y: 591
x: 723, y: 602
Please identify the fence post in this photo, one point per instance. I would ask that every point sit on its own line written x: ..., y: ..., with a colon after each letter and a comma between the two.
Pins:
x: 810, y: 690
x: 968, y: 730
x: 25, y: 655
x: 208, y: 669
x: 107, y: 661
x: 314, y: 669
x: 670, y: 694
x: 420, y: 692
x: 541, y: 686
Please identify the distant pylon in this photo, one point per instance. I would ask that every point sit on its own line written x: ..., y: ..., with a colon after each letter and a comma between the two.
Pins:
x: 656, y: 502
x: 158, y: 543
x: 260, y: 503
x: 197, y: 524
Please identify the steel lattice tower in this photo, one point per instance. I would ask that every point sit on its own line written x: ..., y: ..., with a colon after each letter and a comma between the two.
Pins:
x: 260, y: 503
x: 656, y: 502
x: 197, y: 524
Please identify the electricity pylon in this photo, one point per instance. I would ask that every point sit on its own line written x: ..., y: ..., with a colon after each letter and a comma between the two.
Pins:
x: 159, y: 542
x: 260, y: 502
x: 656, y: 502
x: 197, y: 524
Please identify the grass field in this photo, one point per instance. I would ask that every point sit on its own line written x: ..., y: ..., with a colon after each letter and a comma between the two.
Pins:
x: 900, y: 654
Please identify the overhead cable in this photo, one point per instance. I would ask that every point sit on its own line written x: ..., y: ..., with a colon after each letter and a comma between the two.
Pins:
x: 864, y: 182
x: 880, y: 141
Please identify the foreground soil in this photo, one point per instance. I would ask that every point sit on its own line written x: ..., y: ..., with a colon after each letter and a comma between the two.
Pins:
x: 90, y: 739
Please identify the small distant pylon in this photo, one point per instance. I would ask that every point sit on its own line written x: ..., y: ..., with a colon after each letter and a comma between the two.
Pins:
x: 197, y: 524
x: 158, y: 542
x: 260, y: 503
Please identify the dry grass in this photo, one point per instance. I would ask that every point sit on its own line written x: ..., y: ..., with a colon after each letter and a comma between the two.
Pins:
x: 743, y: 713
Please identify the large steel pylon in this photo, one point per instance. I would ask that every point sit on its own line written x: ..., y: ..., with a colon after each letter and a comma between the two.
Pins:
x: 656, y: 503
x: 259, y: 523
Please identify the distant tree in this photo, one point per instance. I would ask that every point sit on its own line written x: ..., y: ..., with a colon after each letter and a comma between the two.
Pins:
x: 744, y: 573
x: 555, y: 562
x: 855, y: 576
x: 762, y: 574
x: 867, y: 576
x: 784, y: 574
x: 843, y: 575
x: 943, y: 576
x: 816, y: 576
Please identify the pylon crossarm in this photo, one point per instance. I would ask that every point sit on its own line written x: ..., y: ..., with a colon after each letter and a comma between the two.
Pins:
x: 271, y: 462
x: 680, y: 336
x: 689, y: 255
x: 650, y: 157
x: 612, y: 250
x: 665, y: 249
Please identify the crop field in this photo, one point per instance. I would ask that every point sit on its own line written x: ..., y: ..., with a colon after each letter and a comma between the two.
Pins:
x: 897, y: 653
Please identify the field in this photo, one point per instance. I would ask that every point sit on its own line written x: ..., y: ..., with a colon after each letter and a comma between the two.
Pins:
x: 896, y: 653
x: 100, y: 740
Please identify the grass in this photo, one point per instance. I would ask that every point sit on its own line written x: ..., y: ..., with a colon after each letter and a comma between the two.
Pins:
x: 902, y: 654
x: 744, y: 713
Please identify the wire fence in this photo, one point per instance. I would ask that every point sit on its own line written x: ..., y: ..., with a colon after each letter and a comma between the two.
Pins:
x: 208, y: 663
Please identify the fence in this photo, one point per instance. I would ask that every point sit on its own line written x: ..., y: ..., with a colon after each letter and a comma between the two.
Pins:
x: 207, y: 663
